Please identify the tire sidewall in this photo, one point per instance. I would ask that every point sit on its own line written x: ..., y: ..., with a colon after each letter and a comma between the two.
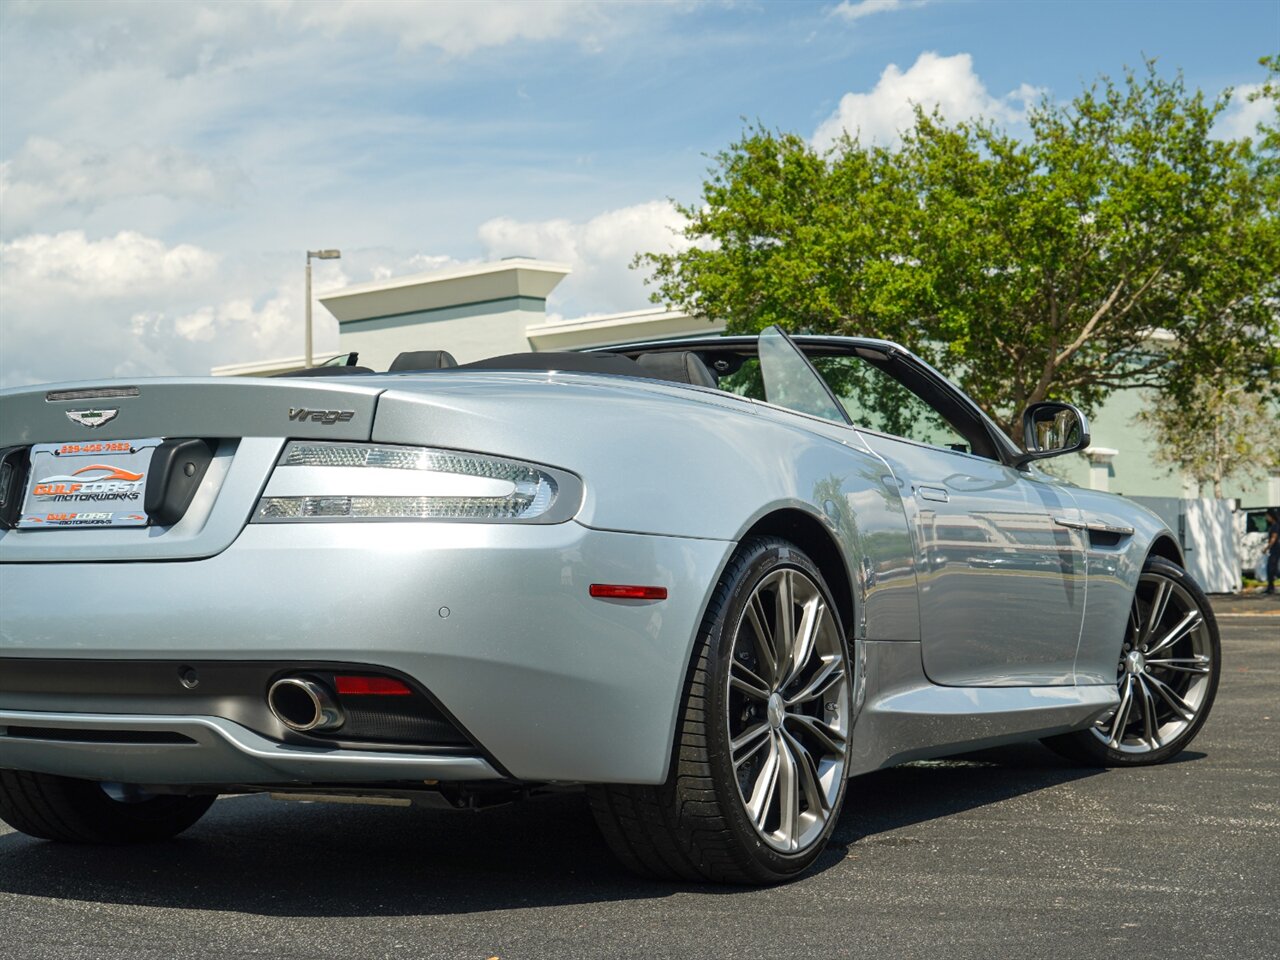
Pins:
x: 70, y: 810
x: 762, y: 559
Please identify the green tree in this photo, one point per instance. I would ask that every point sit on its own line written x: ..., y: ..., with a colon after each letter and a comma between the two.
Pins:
x: 1269, y: 133
x: 1223, y: 430
x: 1217, y: 414
x: 1119, y: 245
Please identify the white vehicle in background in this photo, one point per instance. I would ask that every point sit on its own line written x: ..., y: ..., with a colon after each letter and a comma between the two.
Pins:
x: 1251, y: 536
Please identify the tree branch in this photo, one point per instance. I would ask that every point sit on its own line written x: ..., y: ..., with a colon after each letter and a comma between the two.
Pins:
x: 1155, y: 274
x: 1089, y: 327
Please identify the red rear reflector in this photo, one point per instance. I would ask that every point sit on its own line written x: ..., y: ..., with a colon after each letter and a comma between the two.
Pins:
x: 618, y: 591
x: 378, y: 686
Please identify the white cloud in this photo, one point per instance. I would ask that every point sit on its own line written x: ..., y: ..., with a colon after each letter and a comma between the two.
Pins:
x: 456, y: 27
x: 46, y: 175
x: 68, y: 264
x: 851, y: 10
x: 365, y: 126
x: 426, y: 262
x: 1242, y: 116
x: 192, y: 38
x: 383, y: 265
x: 235, y: 320
x: 599, y: 250
x: 947, y: 83
x: 178, y: 39
x: 130, y: 305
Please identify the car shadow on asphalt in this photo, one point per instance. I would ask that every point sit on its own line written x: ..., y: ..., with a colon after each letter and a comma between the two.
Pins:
x: 259, y: 856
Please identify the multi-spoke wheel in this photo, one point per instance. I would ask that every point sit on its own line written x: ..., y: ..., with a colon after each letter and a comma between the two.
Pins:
x: 758, y: 776
x: 1167, y: 675
x: 787, y: 709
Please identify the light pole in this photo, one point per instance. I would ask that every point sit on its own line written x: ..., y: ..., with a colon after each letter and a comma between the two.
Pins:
x: 319, y: 255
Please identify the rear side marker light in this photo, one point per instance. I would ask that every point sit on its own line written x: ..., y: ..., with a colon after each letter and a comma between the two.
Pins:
x: 371, y: 686
x: 618, y: 591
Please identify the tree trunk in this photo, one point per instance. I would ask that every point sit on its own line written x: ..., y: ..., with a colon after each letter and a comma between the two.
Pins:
x: 1217, y: 456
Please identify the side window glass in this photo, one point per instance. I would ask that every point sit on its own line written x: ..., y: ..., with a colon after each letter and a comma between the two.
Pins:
x: 746, y: 381
x: 878, y: 402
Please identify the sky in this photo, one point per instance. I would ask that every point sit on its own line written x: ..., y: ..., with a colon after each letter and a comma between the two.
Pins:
x: 165, y: 166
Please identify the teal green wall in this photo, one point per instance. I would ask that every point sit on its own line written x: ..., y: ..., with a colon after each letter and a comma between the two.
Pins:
x: 1134, y: 472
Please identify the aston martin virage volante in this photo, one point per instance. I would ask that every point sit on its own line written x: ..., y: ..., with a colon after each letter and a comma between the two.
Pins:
x: 709, y: 581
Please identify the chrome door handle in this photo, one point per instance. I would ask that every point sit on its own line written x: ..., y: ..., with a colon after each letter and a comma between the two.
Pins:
x: 934, y: 493
x: 1095, y: 527
x: 1108, y: 528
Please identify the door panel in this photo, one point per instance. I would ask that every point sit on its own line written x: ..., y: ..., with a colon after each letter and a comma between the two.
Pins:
x: 1002, y: 584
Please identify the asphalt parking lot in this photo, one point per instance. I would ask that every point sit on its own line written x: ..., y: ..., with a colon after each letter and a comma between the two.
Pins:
x: 1007, y: 852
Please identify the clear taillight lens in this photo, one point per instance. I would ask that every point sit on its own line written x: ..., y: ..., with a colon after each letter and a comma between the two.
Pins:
x: 361, y: 481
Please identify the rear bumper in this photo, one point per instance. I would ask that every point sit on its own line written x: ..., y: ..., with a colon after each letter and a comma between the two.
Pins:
x: 494, y: 620
x: 145, y: 749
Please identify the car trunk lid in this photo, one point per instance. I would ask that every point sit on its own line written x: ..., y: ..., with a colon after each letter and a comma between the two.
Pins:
x: 244, y: 422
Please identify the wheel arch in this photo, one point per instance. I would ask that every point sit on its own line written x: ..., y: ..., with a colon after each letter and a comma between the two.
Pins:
x: 808, y: 533
x: 813, y: 537
x: 1165, y: 546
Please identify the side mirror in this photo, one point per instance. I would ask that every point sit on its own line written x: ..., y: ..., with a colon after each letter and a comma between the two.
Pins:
x: 1051, y: 429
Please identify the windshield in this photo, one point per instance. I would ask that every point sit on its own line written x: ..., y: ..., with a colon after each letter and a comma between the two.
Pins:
x: 790, y: 380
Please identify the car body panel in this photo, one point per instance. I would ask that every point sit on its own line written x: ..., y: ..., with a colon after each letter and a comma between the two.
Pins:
x: 1002, y: 588
x: 1115, y: 557
x: 495, y: 619
x: 218, y: 752
x: 198, y: 406
x: 555, y: 684
x: 738, y: 462
x: 1118, y: 566
x: 909, y: 717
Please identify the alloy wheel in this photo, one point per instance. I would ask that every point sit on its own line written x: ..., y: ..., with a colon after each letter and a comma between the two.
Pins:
x: 788, y: 705
x: 1165, y: 669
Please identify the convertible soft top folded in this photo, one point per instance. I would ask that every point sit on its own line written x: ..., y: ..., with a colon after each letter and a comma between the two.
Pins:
x: 682, y: 367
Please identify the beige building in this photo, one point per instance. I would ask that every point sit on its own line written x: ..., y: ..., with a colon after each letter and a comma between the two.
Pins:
x: 477, y: 311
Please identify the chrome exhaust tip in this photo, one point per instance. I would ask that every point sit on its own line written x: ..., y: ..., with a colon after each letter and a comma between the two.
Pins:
x: 304, y: 705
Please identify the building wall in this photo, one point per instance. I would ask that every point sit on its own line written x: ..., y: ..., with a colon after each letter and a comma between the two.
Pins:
x: 618, y: 328
x: 469, y: 331
x: 1134, y: 471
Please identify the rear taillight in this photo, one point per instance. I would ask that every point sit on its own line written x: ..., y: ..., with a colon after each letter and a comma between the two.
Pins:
x: 365, y: 481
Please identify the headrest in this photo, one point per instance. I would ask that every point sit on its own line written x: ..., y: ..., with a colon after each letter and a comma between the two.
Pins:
x: 422, y: 360
x: 679, y: 367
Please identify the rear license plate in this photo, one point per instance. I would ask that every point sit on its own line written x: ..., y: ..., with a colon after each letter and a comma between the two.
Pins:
x: 97, y: 483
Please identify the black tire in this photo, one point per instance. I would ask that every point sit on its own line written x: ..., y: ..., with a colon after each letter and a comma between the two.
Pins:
x: 695, y: 826
x: 81, y: 811
x: 1089, y: 746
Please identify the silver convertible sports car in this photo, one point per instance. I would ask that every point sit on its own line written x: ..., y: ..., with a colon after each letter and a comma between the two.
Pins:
x: 708, y: 580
